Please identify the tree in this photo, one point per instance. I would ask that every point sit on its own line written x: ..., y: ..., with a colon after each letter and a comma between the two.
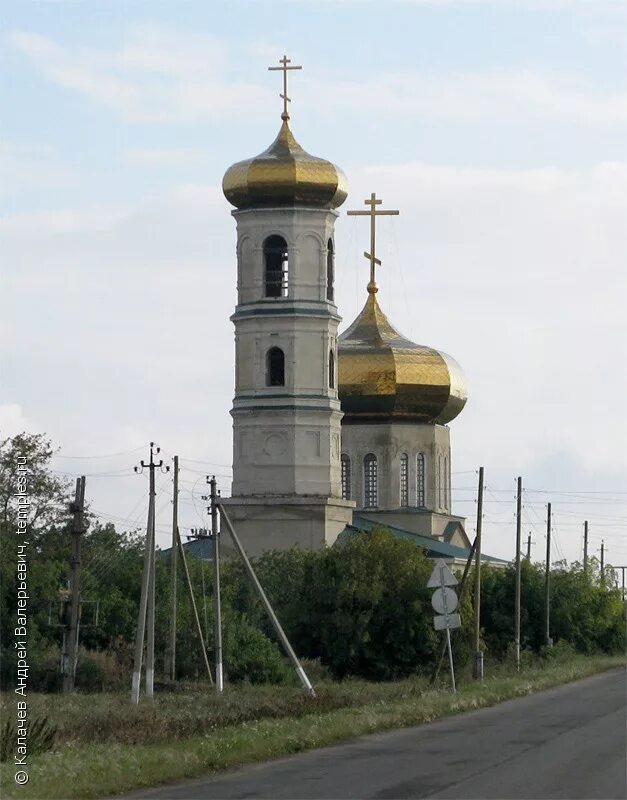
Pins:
x: 45, y: 542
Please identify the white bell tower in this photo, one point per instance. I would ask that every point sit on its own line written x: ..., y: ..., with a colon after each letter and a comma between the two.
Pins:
x: 286, y: 413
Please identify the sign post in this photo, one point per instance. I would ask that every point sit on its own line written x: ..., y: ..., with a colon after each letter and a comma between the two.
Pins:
x: 444, y: 602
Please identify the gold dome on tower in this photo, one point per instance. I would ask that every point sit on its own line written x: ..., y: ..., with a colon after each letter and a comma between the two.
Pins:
x: 284, y: 175
x: 384, y: 376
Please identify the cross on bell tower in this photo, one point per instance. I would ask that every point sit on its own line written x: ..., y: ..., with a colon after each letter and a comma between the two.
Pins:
x: 373, y: 213
x: 284, y: 69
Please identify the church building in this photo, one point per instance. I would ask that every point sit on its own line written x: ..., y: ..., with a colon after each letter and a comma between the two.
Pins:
x: 331, y: 433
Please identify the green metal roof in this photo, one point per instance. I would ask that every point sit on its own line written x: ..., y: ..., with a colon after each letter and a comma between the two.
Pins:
x: 434, y: 547
x: 200, y: 548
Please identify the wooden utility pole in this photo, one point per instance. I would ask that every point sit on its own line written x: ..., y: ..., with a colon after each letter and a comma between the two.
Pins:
x: 602, y: 561
x: 478, y: 663
x: 585, y: 546
x: 78, y: 529
x: 547, y: 580
x: 217, y: 609
x: 146, y: 617
x: 173, y: 566
x: 190, y: 589
x: 518, y: 571
x: 529, y: 547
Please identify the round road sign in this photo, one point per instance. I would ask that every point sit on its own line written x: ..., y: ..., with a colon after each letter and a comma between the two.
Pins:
x: 444, y: 600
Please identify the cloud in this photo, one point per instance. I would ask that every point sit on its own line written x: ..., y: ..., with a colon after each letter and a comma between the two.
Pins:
x: 495, y: 95
x: 24, y: 167
x: 164, y: 156
x: 13, y: 420
x: 182, y: 77
x: 156, y: 76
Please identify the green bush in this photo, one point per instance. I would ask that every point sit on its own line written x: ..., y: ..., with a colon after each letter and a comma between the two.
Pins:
x: 99, y: 671
x: 249, y: 654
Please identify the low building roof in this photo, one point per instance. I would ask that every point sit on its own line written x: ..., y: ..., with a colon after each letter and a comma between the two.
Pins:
x: 435, y: 547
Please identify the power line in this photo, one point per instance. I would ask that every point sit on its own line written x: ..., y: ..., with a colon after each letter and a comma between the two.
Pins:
x: 110, y: 473
x: 106, y: 455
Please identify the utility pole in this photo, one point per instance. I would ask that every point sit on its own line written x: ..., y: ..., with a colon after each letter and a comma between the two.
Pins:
x: 585, y: 547
x: 217, y: 610
x: 529, y: 547
x: 78, y: 529
x: 518, y: 571
x: 602, y: 561
x: 146, y: 618
x: 478, y: 664
x: 547, y: 580
x: 173, y: 566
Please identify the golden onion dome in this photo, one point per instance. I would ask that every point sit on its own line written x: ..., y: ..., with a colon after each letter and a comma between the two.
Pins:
x: 383, y: 376
x: 284, y: 175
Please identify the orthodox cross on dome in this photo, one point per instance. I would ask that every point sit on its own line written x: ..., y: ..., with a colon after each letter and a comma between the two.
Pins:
x: 284, y: 69
x: 373, y: 213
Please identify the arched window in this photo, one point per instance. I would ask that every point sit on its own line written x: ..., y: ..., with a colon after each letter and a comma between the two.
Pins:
x: 331, y: 370
x: 371, y: 499
x: 330, y: 270
x: 276, y: 266
x: 275, y: 367
x: 420, y: 480
x: 345, y: 464
x: 404, y: 480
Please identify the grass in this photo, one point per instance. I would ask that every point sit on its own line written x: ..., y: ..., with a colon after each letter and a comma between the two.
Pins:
x: 105, y: 746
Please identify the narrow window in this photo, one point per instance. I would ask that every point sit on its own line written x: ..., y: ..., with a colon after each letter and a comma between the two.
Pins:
x: 404, y: 480
x: 446, y: 485
x: 275, y: 367
x: 331, y: 370
x: 330, y: 270
x: 276, y: 266
x: 345, y: 463
x: 370, y: 481
x: 420, y: 480
x: 441, y: 483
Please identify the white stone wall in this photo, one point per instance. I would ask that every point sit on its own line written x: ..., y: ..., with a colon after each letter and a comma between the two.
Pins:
x: 286, y: 439
x: 277, y: 523
x: 306, y: 231
x: 388, y: 441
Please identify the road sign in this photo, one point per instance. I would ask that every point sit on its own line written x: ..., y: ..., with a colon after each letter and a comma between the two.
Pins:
x: 441, y: 575
x: 447, y: 622
x: 444, y: 600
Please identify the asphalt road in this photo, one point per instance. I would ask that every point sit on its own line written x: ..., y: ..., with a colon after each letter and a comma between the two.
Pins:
x: 569, y: 742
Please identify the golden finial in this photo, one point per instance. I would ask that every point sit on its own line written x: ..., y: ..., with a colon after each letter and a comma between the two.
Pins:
x: 284, y: 69
x: 373, y: 213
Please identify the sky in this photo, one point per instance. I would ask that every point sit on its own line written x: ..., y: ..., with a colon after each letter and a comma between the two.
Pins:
x: 497, y: 128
